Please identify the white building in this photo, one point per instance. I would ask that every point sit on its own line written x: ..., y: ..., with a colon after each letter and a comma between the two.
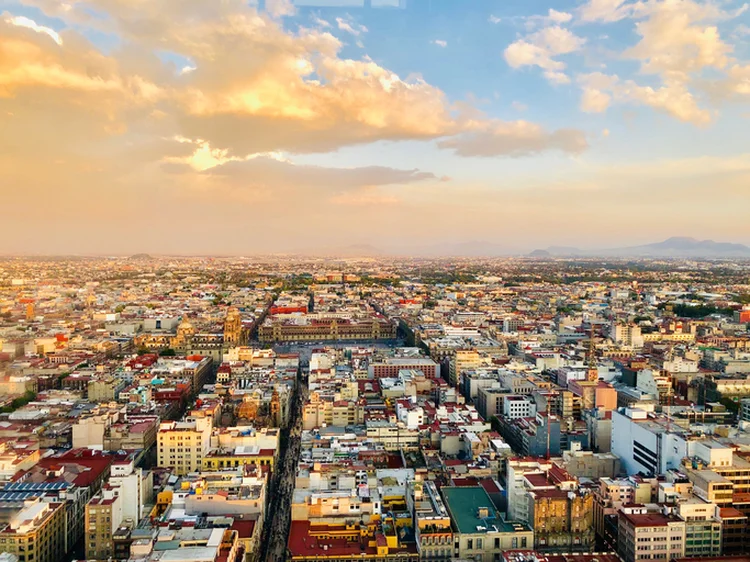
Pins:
x: 649, y: 444
x: 136, y: 488
x: 515, y: 406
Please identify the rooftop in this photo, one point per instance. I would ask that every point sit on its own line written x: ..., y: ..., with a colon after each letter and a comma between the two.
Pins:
x: 467, y: 503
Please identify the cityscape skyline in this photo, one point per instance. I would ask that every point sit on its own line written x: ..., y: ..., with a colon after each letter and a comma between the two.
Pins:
x: 203, y: 128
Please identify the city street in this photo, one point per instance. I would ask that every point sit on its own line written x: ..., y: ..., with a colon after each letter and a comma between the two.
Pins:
x: 278, y: 519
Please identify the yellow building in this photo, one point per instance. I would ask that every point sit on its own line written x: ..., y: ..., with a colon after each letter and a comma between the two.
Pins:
x: 462, y: 360
x: 219, y: 459
x: 36, y: 533
x: 183, y: 445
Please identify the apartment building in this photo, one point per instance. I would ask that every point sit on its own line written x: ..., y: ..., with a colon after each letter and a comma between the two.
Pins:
x: 649, y: 536
x: 393, y: 437
x: 103, y: 517
x: 35, y: 531
x: 182, y: 446
x: 432, y: 527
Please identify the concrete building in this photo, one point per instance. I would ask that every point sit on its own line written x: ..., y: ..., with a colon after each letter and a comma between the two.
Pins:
x: 649, y: 536
x: 183, y: 445
x: 516, y: 406
x: 462, y: 360
x: 432, y: 527
x: 480, y: 533
x: 34, y: 528
x: 103, y: 517
x: 650, y: 444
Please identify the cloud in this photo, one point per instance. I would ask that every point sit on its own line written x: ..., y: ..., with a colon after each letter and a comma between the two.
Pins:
x: 320, y: 22
x: 351, y: 27
x: 28, y: 23
x: 280, y: 8
x: 674, y: 99
x: 674, y: 43
x: 680, y: 44
x: 293, y: 91
x: 514, y: 139
x: 277, y: 172
x: 494, y: 19
x: 440, y: 43
x: 553, y: 17
x: 540, y: 48
x: 609, y: 11
x: 519, y: 106
x: 99, y: 127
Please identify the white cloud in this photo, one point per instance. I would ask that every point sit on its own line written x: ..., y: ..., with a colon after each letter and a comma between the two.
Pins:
x: 556, y: 77
x: 681, y: 44
x: 440, y: 43
x: 518, y: 106
x: 540, y: 48
x: 608, y: 11
x: 21, y: 21
x: 675, y: 43
x: 553, y: 17
x: 351, y: 27
x: 280, y: 8
x: 494, y: 19
x: 320, y: 22
x: 600, y: 90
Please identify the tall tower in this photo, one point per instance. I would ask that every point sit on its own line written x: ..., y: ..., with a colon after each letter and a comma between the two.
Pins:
x: 30, y: 314
x: 233, y: 327
x: 593, y: 373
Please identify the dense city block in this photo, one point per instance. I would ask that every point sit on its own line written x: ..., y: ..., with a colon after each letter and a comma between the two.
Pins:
x: 531, y: 409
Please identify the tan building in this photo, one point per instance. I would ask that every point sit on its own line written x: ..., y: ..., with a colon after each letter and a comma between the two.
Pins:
x: 104, y: 390
x: 233, y: 333
x: 462, y: 360
x: 103, y: 517
x: 432, y: 530
x: 277, y: 329
x: 562, y: 520
x: 649, y: 536
x: 183, y: 445
x: 394, y: 437
x: 35, y: 533
x: 319, y: 412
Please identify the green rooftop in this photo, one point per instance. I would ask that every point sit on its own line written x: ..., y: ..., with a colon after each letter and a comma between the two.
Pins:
x: 464, y: 504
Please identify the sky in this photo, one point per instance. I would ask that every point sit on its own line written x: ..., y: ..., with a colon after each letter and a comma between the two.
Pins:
x: 412, y: 126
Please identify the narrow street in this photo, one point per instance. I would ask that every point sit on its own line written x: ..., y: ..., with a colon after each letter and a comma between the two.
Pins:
x: 279, y: 515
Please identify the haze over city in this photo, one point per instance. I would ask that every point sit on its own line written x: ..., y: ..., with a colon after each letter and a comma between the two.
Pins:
x: 223, y: 127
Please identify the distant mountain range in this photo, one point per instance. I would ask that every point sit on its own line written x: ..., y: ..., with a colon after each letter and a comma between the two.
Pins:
x: 675, y: 247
